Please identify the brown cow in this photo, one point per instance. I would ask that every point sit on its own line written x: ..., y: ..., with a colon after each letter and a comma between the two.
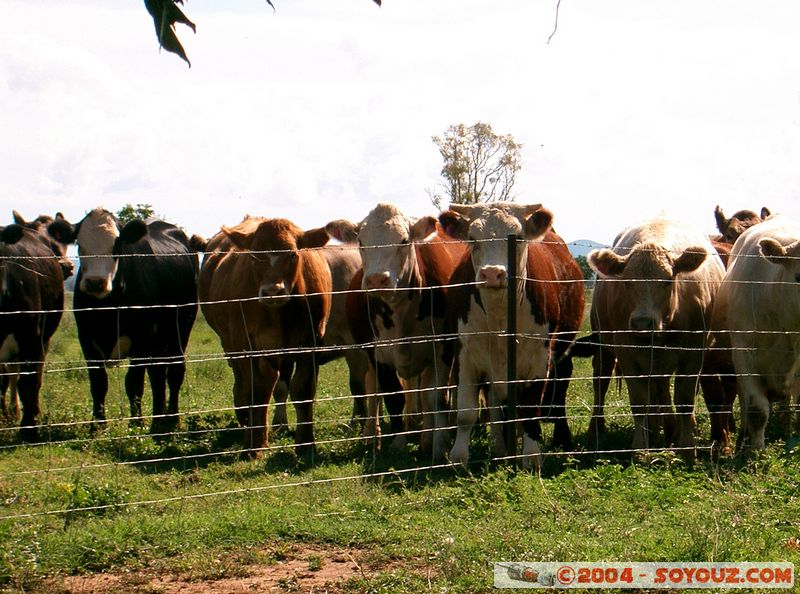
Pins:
x: 731, y: 228
x: 550, y: 307
x: 267, y: 294
x: 31, y: 305
x: 652, y: 307
x: 407, y: 277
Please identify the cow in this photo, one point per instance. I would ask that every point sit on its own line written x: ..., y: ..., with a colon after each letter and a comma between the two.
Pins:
x: 135, y: 296
x: 652, y: 308
x: 550, y: 302
x: 344, y: 262
x: 406, y: 272
x: 731, y: 228
x: 265, y: 289
x: 31, y: 306
x: 9, y: 372
x: 757, y: 314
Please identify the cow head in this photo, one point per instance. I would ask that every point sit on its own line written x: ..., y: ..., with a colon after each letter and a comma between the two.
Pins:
x: 785, y: 256
x: 732, y: 228
x: 486, y: 228
x: 386, y: 240
x: 648, y: 273
x: 95, y: 235
x: 275, y: 262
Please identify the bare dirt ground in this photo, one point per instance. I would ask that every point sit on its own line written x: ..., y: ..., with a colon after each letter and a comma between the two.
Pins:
x: 301, y: 568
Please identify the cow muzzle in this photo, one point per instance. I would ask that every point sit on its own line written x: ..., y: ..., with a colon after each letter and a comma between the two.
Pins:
x: 644, y: 324
x: 493, y: 277
x: 96, y: 286
x: 273, y: 294
x: 378, y: 280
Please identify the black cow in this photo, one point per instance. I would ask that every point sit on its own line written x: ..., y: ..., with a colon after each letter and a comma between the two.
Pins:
x: 135, y: 296
x: 31, y: 304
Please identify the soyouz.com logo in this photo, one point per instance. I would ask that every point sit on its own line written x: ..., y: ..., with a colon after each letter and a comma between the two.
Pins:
x: 565, y: 575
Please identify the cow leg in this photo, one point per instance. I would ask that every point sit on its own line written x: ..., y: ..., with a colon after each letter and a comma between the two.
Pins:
x: 280, y: 421
x: 530, y: 414
x: 359, y: 367
x: 719, y: 402
x: 467, y: 403
x: 134, y: 388
x: 176, y: 372
x: 556, y: 391
x: 302, y: 389
x: 254, y: 380
x: 639, y: 394
x: 602, y: 370
x: 9, y: 378
x: 434, y: 420
x: 98, y: 387
x: 28, y: 386
x: 685, y: 390
x: 755, y: 410
x: 372, y: 407
x: 392, y: 392
x: 157, y: 374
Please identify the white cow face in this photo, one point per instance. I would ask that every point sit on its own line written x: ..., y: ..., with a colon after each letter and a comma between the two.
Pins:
x: 95, y: 236
x: 649, y: 294
x: 385, y: 238
x: 486, y: 227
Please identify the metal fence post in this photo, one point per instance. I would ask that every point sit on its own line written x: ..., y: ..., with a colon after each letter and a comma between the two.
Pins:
x: 511, y: 351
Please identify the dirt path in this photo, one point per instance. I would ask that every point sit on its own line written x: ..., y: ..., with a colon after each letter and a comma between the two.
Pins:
x: 302, y: 568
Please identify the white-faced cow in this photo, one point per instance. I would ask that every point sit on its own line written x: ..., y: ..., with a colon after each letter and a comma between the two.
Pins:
x: 550, y: 300
x: 757, y: 312
x: 31, y: 305
x: 135, y: 296
x: 406, y: 276
x: 266, y: 291
x: 652, y: 307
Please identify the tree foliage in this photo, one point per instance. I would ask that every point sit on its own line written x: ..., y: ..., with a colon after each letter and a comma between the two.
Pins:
x: 479, y: 165
x: 588, y: 273
x: 166, y: 14
x: 129, y: 212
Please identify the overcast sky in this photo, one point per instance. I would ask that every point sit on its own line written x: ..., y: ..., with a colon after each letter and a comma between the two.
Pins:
x: 324, y: 108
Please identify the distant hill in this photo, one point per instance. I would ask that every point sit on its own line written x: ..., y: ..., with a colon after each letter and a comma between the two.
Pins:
x: 581, y: 247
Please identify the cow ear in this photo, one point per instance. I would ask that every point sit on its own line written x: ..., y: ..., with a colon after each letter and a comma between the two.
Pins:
x: 422, y: 228
x: 18, y: 218
x: 538, y: 224
x: 606, y: 262
x: 12, y: 233
x: 765, y: 213
x: 133, y: 231
x: 690, y: 260
x: 342, y: 230
x: 313, y: 238
x: 243, y: 241
x: 454, y: 225
x: 722, y: 222
x: 62, y: 230
x: 773, y: 251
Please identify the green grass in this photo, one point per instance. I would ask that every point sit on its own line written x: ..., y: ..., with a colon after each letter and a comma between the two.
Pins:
x: 122, y: 500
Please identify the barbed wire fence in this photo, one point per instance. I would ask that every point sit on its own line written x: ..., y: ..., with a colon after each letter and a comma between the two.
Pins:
x: 207, y: 412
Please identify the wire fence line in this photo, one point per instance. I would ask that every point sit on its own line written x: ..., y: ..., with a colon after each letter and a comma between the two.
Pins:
x: 613, y: 411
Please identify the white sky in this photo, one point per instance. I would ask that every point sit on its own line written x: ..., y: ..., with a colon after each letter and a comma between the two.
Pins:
x: 326, y: 107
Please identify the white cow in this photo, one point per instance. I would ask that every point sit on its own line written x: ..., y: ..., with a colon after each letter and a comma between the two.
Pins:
x: 759, y: 304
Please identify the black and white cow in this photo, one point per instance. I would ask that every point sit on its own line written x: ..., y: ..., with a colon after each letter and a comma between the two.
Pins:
x: 135, y: 296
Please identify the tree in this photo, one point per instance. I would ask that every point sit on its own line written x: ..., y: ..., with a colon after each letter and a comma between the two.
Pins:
x: 129, y: 212
x: 479, y: 165
x: 588, y: 273
x: 166, y: 14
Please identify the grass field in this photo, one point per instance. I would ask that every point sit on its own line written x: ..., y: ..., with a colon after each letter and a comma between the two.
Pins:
x: 126, y: 504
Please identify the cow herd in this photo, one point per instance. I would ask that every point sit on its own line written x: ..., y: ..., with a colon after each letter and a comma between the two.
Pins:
x: 420, y: 310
